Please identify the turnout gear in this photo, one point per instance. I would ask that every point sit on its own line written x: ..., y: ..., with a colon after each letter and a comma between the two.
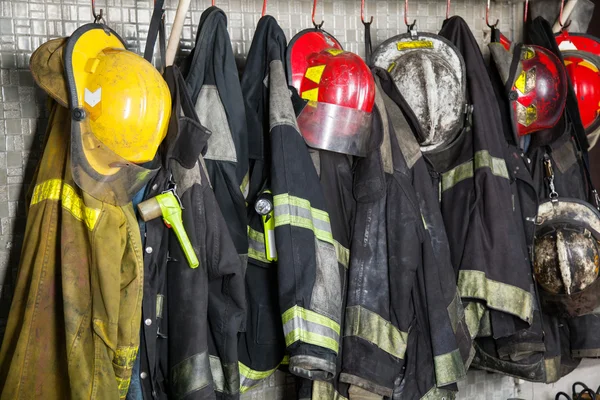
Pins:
x: 538, y: 86
x: 567, y: 256
x: 301, y: 47
x: 120, y: 107
x: 583, y: 70
x: 211, y: 75
x: 430, y: 73
x: 401, y: 293
x: 73, y: 328
x: 340, y: 92
x: 191, y: 316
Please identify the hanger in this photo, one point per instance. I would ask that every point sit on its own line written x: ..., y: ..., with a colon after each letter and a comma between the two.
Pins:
x: 487, y: 16
x: 410, y: 27
x: 314, y: 9
x: 564, y: 27
x: 99, y: 18
x: 264, y: 9
x: 362, y: 14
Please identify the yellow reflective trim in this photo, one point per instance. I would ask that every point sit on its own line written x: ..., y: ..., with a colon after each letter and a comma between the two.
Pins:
x: 286, y: 360
x: 250, y: 378
x: 482, y: 159
x: 473, y: 314
x: 436, y: 393
x: 57, y: 190
x: 303, y: 223
x: 325, y: 391
x: 287, y: 199
x: 370, y: 326
x: 449, y: 368
x: 342, y: 253
x: 256, y: 235
x: 334, y: 52
x: 588, y: 65
x: 257, y: 253
x: 499, y: 296
x: 299, y: 334
x: 552, y: 367
x: 310, y: 316
x: 245, y: 184
x: 315, y: 73
x: 123, y: 385
x: 125, y: 356
x: 415, y: 44
x: 392, y: 66
x: 311, y: 95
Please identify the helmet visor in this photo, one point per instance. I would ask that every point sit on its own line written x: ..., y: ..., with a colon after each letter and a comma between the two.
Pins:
x: 335, y: 128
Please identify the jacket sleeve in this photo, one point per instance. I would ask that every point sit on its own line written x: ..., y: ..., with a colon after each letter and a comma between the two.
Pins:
x: 309, y: 277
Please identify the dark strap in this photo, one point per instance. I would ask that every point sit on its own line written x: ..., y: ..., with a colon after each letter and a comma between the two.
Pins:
x: 156, y: 28
x: 368, y: 43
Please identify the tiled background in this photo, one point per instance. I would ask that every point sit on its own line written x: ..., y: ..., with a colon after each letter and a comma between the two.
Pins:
x: 26, y: 24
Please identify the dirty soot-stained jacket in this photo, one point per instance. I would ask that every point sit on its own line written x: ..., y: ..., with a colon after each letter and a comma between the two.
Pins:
x: 73, y: 328
x: 262, y: 346
x: 191, y: 317
x: 213, y: 82
x: 406, y: 338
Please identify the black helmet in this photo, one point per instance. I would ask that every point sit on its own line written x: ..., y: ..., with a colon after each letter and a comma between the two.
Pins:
x: 567, y: 257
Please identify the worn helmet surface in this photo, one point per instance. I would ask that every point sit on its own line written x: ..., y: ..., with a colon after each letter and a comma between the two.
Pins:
x: 340, y: 91
x: 583, y: 70
x: 120, y: 107
x: 430, y: 74
x: 567, y: 257
x: 578, y: 41
x: 538, y: 86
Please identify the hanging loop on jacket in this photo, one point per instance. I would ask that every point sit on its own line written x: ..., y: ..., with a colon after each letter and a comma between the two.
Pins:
x: 264, y: 8
x: 362, y: 14
x: 99, y: 18
x: 410, y: 27
x: 314, y: 9
x: 563, y: 27
x: 487, y: 16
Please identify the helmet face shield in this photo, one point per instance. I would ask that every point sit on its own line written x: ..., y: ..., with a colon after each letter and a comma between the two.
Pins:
x: 111, y: 113
x: 335, y: 128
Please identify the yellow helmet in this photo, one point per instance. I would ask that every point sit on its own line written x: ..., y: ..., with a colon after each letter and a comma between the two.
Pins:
x: 120, y: 107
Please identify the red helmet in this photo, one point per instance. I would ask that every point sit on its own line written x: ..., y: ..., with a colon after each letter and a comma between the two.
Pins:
x: 578, y: 41
x: 539, y: 86
x: 302, y: 46
x: 583, y: 69
x: 340, y: 90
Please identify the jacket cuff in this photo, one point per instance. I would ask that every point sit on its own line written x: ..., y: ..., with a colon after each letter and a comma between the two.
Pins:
x: 313, y: 368
x: 366, y: 384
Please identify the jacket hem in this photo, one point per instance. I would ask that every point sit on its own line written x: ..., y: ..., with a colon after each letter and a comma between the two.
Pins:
x: 313, y: 368
x: 366, y: 384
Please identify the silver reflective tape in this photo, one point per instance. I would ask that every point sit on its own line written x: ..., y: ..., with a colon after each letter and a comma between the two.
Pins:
x: 190, y: 375
x: 159, y: 305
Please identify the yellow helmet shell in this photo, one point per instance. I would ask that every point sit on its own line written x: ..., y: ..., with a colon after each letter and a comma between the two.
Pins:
x: 126, y: 100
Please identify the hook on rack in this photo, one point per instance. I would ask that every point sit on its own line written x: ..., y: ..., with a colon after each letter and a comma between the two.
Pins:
x: 560, y: 17
x: 362, y: 14
x: 526, y: 10
x: 98, y: 18
x: 314, y: 9
x: 409, y: 26
x: 264, y: 9
x: 487, y: 17
x: 448, y: 9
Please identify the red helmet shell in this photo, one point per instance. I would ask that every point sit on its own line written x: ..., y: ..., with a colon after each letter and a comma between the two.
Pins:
x: 578, y: 41
x: 302, y: 46
x: 585, y: 78
x: 338, y: 77
x: 541, y: 90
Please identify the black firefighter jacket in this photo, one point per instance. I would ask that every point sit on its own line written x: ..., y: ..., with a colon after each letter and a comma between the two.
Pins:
x: 191, y: 317
x: 481, y: 212
x: 405, y: 335
x: 262, y: 345
x: 212, y: 78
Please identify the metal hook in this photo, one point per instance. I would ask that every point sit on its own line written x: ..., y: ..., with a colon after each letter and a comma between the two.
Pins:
x: 487, y: 17
x: 409, y: 26
x: 98, y: 18
x: 362, y: 13
x: 560, y: 17
x: 526, y: 10
x: 264, y: 9
x: 213, y: 3
x: 314, y: 9
x: 448, y: 9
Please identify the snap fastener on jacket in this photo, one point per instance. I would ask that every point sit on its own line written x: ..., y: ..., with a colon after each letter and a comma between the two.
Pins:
x: 148, y: 322
x: 149, y: 250
x: 143, y: 375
